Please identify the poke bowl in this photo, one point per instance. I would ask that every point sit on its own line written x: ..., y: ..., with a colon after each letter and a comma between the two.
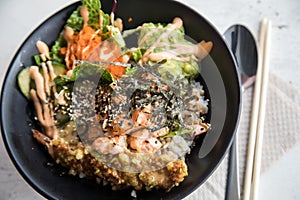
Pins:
x: 41, y: 158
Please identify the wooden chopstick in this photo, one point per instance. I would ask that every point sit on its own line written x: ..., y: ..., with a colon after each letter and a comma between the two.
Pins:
x: 253, y: 161
x: 263, y: 100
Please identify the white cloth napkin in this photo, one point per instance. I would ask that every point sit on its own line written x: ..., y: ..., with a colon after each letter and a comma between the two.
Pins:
x: 280, y: 134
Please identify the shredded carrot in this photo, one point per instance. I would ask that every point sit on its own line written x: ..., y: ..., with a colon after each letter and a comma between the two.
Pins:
x: 116, y: 70
x: 81, y: 45
x: 87, y: 45
x: 88, y: 39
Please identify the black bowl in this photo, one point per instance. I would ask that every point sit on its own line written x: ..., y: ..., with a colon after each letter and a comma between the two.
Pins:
x: 218, y: 74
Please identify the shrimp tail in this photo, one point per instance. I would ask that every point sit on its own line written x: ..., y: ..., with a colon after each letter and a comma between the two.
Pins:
x: 44, y: 140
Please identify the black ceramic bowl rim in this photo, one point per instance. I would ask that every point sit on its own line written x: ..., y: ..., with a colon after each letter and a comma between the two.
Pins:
x: 222, y: 81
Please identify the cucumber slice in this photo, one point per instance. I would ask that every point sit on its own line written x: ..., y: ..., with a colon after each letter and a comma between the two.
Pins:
x: 24, y: 81
x: 59, y: 69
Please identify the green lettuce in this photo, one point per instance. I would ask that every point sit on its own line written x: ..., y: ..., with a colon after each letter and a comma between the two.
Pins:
x: 75, y: 20
x: 55, y: 49
x: 137, y: 54
x: 94, y: 7
x: 115, y: 34
x: 86, y: 70
x: 150, y: 33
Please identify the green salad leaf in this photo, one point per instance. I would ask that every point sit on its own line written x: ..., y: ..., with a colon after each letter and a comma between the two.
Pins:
x: 153, y: 34
x: 75, y: 20
x: 55, y: 49
x: 116, y: 35
x: 37, y: 60
x: 130, y: 71
x: 94, y: 7
x: 86, y: 70
x: 150, y: 33
x: 137, y: 54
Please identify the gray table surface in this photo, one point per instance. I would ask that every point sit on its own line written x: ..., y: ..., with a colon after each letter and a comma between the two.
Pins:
x: 19, y: 18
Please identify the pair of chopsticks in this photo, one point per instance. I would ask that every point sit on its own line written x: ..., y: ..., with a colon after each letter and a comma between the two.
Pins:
x: 253, y: 162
